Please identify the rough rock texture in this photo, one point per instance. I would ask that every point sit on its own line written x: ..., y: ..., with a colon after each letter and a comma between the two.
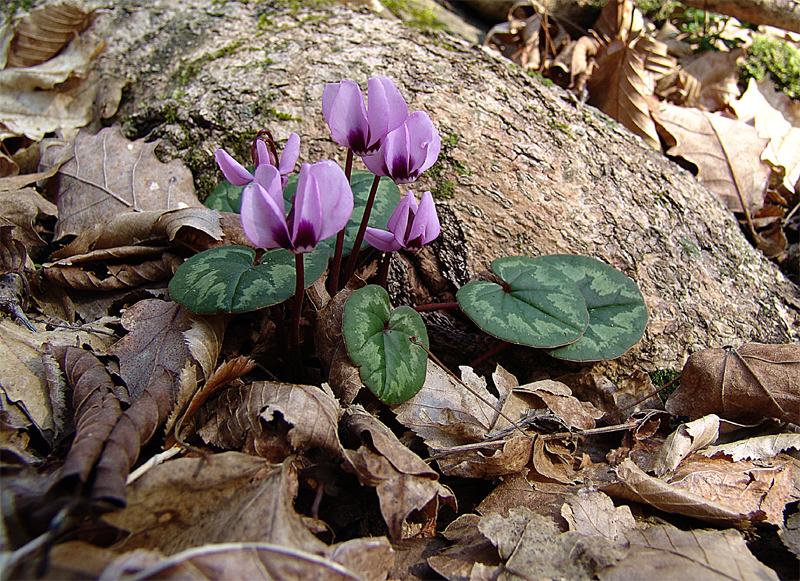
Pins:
x: 531, y: 172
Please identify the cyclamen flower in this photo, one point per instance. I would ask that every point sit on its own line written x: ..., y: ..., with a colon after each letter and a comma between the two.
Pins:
x: 407, y: 151
x: 322, y: 206
x: 352, y: 124
x: 411, y: 226
x: 238, y: 175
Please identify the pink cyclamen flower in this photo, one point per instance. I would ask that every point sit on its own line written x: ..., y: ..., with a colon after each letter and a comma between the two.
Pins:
x: 238, y: 175
x: 407, y: 151
x: 410, y: 226
x: 355, y: 126
x: 320, y: 208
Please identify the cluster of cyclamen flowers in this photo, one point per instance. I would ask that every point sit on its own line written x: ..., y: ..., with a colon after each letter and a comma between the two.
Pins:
x: 391, y: 142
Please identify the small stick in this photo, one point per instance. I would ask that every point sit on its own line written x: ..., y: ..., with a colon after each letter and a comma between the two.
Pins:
x: 469, y: 389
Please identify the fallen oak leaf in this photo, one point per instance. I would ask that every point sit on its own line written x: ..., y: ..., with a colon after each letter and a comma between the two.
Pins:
x: 741, y: 385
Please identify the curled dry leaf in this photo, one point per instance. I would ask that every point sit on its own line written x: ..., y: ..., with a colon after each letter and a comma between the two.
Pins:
x: 742, y: 385
x: 120, y: 276
x: 666, y: 552
x: 271, y: 418
x: 108, y: 175
x: 189, y: 502
x: 404, y: 482
x: 24, y: 209
x: 686, y: 439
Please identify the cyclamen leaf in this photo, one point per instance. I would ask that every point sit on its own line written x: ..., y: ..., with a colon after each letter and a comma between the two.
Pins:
x: 379, y: 341
x: 541, y: 306
x: 225, y: 280
x: 617, y: 313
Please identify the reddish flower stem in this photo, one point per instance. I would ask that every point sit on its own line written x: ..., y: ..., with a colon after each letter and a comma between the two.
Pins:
x: 383, y: 273
x: 353, y: 261
x: 333, y: 280
x: 497, y: 349
x: 294, y: 324
x: 436, y: 307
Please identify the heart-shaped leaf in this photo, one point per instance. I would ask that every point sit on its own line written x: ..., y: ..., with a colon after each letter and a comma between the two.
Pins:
x: 538, y: 305
x: 378, y: 340
x: 617, y: 313
x: 225, y: 280
x: 228, y: 198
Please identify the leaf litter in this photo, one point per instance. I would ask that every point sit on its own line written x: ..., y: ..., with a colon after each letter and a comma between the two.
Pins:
x: 272, y: 478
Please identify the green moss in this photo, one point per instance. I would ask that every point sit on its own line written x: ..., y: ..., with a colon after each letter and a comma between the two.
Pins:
x: 188, y: 71
x: 413, y: 14
x: 272, y: 113
x: 775, y: 57
x: 544, y: 80
x: 444, y: 190
x: 662, y: 377
x: 462, y: 168
x: 657, y: 10
x: 11, y: 7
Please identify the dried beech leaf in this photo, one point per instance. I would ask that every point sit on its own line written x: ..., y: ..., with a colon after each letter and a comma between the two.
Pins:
x: 516, y: 490
x: 109, y: 175
x: 233, y: 497
x: 666, y: 552
x: 471, y: 555
x: 727, y: 154
x: 635, y: 485
x: 758, y: 448
x: 96, y: 401
x: 741, y: 385
x: 152, y: 356
x: 120, y: 276
x: 623, y: 84
x: 404, y: 482
x: 593, y: 514
x: 43, y: 32
x: 490, y: 461
x: 244, y: 416
x: 558, y: 398
x: 619, y: 19
x: 683, y: 441
x: 707, y: 81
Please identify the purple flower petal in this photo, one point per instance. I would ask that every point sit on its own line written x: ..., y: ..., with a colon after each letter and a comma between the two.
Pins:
x: 307, y: 212
x: 263, y: 221
x: 291, y: 151
x: 426, y: 225
x: 267, y: 177
x: 233, y: 171
x: 386, y: 107
x: 399, y: 218
x: 345, y: 113
x: 381, y: 239
x: 335, y: 195
x: 262, y: 153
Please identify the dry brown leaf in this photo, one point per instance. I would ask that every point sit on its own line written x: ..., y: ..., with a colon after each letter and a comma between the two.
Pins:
x: 593, y: 514
x: 516, y: 490
x: 43, y: 32
x: 619, y: 19
x: 707, y: 81
x: 509, y: 457
x: 471, y: 555
x: 553, y: 459
x: 741, y: 385
x: 231, y: 497
x: 404, y: 482
x: 757, y: 448
x: 633, y: 484
x: 783, y: 151
x: 368, y: 558
x: 410, y: 558
x: 109, y: 175
x: 270, y: 419
x: 790, y: 534
x: 558, y: 398
x: 666, y: 552
x: 727, y: 154
x: 686, y: 439
x: 119, y: 276
x: 24, y: 209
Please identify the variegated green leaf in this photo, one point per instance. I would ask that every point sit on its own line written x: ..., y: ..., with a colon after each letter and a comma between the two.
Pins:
x: 617, y: 313
x: 225, y: 280
x: 538, y: 305
x: 378, y: 340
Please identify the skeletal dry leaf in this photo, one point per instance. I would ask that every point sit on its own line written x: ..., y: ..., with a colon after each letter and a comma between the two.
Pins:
x: 231, y: 497
x: 727, y: 154
x: 592, y: 513
x: 686, y: 439
x: 108, y: 175
x: 741, y: 385
x: 404, y: 482
x: 666, y: 552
